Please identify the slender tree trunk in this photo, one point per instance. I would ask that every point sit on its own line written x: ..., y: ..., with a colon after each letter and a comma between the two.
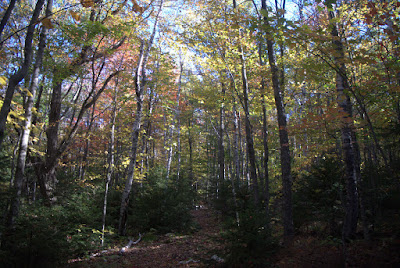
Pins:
x: 17, y: 77
x: 348, y: 142
x: 168, y: 142
x: 232, y: 179
x: 249, y: 134
x: 131, y: 168
x: 110, y: 162
x: 236, y: 145
x: 178, y: 121
x: 221, y: 131
x: 5, y: 19
x: 84, y: 162
x: 23, y: 149
x: 175, y: 125
x: 140, y: 82
x: 266, y: 154
x: 265, y: 139
x: 190, y: 142
x: 288, y: 227
x: 148, y: 130
x: 248, y: 127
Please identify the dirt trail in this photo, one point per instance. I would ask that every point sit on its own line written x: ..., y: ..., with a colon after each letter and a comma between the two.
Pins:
x: 199, y: 249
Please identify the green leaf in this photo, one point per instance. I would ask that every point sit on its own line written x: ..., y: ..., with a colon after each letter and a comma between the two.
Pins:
x: 264, y: 13
x: 329, y: 3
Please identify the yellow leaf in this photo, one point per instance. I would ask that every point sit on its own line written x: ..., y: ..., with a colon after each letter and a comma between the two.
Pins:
x: 28, y: 93
x: 47, y: 23
x: 87, y: 3
x: 75, y: 15
x: 3, y: 81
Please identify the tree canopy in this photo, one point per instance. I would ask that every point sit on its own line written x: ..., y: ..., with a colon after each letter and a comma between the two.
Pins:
x: 119, y: 117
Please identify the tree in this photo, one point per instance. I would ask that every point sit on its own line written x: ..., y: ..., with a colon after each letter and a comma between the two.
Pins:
x: 283, y: 133
x: 23, y: 148
x: 140, y: 83
x: 18, y: 76
x: 5, y: 18
x: 349, y: 143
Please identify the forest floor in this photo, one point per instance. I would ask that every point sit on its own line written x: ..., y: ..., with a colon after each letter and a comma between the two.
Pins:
x: 205, y: 248
x: 202, y: 248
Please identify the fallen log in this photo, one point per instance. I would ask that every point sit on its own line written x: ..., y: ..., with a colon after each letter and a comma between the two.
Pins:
x: 131, y: 242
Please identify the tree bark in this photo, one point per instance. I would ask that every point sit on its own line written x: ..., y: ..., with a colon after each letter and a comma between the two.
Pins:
x: 288, y: 228
x: 17, y: 77
x: 47, y: 178
x: 140, y: 82
x: 248, y: 126
x: 221, y: 131
x: 110, y: 161
x: 265, y: 138
x: 23, y: 149
x: 190, y: 142
x: 236, y: 145
x: 84, y: 162
x: 5, y: 18
x: 178, y: 121
x: 148, y: 129
x: 348, y: 137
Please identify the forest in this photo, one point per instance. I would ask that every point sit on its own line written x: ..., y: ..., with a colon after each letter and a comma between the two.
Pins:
x: 200, y: 133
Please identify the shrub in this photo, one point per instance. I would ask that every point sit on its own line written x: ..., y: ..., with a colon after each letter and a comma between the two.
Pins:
x: 47, y: 236
x: 319, y: 194
x: 161, y: 205
x: 250, y: 243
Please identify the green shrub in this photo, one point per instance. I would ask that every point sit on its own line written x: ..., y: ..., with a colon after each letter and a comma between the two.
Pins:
x: 250, y: 243
x: 161, y: 205
x: 318, y: 196
x: 47, y: 236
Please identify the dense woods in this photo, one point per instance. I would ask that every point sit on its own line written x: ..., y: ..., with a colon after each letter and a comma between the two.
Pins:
x: 120, y: 117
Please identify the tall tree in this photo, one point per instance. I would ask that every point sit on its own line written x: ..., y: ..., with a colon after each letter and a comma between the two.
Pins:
x: 140, y: 83
x: 248, y: 127
x: 349, y: 143
x: 264, y: 137
x: 110, y: 160
x: 175, y: 126
x: 5, y: 18
x: 221, y: 132
x: 283, y: 132
x: 17, y: 77
x: 23, y: 148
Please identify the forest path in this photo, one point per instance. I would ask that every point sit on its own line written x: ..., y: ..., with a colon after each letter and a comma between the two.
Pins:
x: 199, y: 249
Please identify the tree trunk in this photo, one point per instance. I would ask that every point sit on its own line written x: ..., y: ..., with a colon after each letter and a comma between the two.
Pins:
x: 190, y: 142
x: 23, y: 149
x: 140, y: 82
x: 148, y: 128
x: 132, y: 163
x: 221, y: 131
x: 347, y: 133
x: 249, y: 133
x: 5, y: 19
x: 249, y: 130
x: 288, y: 229
x: 84, y: 162
x: 47, y: 179
x: 236, y: 158
x: 110, y: 162
x: 265, y: 139
x: 178, y: 121
x: 17, y: 77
